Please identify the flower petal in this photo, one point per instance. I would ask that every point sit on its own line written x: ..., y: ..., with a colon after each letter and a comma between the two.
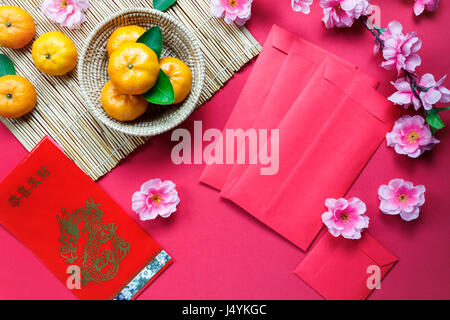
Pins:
x: 410, y: 216
x: 384, y: 192
x: 400, y: 98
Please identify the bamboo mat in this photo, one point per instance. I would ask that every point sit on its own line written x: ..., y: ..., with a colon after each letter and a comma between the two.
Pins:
x: 61, y: 112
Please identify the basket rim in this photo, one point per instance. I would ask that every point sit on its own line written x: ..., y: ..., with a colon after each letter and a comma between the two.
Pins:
x: 200, y: 63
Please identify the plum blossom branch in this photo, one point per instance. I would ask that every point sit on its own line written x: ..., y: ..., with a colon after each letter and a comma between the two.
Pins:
x: 400, y: 52
x: 379, y: 43
x: 375, y: 31
x: 416, y: 88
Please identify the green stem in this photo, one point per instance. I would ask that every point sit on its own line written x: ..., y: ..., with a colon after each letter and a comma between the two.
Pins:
x: 376, y: 33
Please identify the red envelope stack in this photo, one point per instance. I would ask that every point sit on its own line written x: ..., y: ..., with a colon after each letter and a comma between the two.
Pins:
x: 330, y: 120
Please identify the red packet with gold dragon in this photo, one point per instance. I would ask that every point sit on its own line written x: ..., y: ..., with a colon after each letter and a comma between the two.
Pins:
x: 76, y: 229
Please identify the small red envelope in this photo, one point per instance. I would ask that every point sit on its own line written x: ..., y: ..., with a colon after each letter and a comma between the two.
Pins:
x: 342, y: 269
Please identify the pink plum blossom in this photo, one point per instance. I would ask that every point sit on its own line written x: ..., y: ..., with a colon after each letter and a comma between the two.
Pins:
x: 432, y: 93
x: 435, y: 91
x: 401, y: 197
x: 445, y: 93
x: 67, y: 13
x: 302, y: 5
x: 421, y: 5
x: 404, y: 95
x: 237, y: 11
x: 342, y: 13
x: 400, y: 50
x: 411, y: 136
x: 345, y: 217
x: 155, y: 199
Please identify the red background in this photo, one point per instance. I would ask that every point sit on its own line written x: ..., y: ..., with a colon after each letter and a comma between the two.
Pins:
x: 221, y: 252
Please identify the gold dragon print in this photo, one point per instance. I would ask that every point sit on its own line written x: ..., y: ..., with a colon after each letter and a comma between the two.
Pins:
x: 87, y: 240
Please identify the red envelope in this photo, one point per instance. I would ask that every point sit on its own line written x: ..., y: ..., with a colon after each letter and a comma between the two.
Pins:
x: 253, y: 95
x: 339, y: 268
x: 326, y: 138
x: 70, y: 224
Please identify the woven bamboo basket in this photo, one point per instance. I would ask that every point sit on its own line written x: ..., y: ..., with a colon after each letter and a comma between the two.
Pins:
x: 179, y: 42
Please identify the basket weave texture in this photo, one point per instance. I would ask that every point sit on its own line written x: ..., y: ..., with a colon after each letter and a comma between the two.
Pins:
x: 179, y: 42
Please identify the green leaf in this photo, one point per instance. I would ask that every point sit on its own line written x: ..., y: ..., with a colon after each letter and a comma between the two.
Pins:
x: 162, y: 93
x: 442, y: 109
x: 434, y: 120
x: 6, y: 66
x: 153, y: 39
x: 162, y: 5
x: 433, y: 131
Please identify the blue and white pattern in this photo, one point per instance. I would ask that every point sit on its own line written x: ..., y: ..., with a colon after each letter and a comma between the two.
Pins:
x: 144, y: 276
